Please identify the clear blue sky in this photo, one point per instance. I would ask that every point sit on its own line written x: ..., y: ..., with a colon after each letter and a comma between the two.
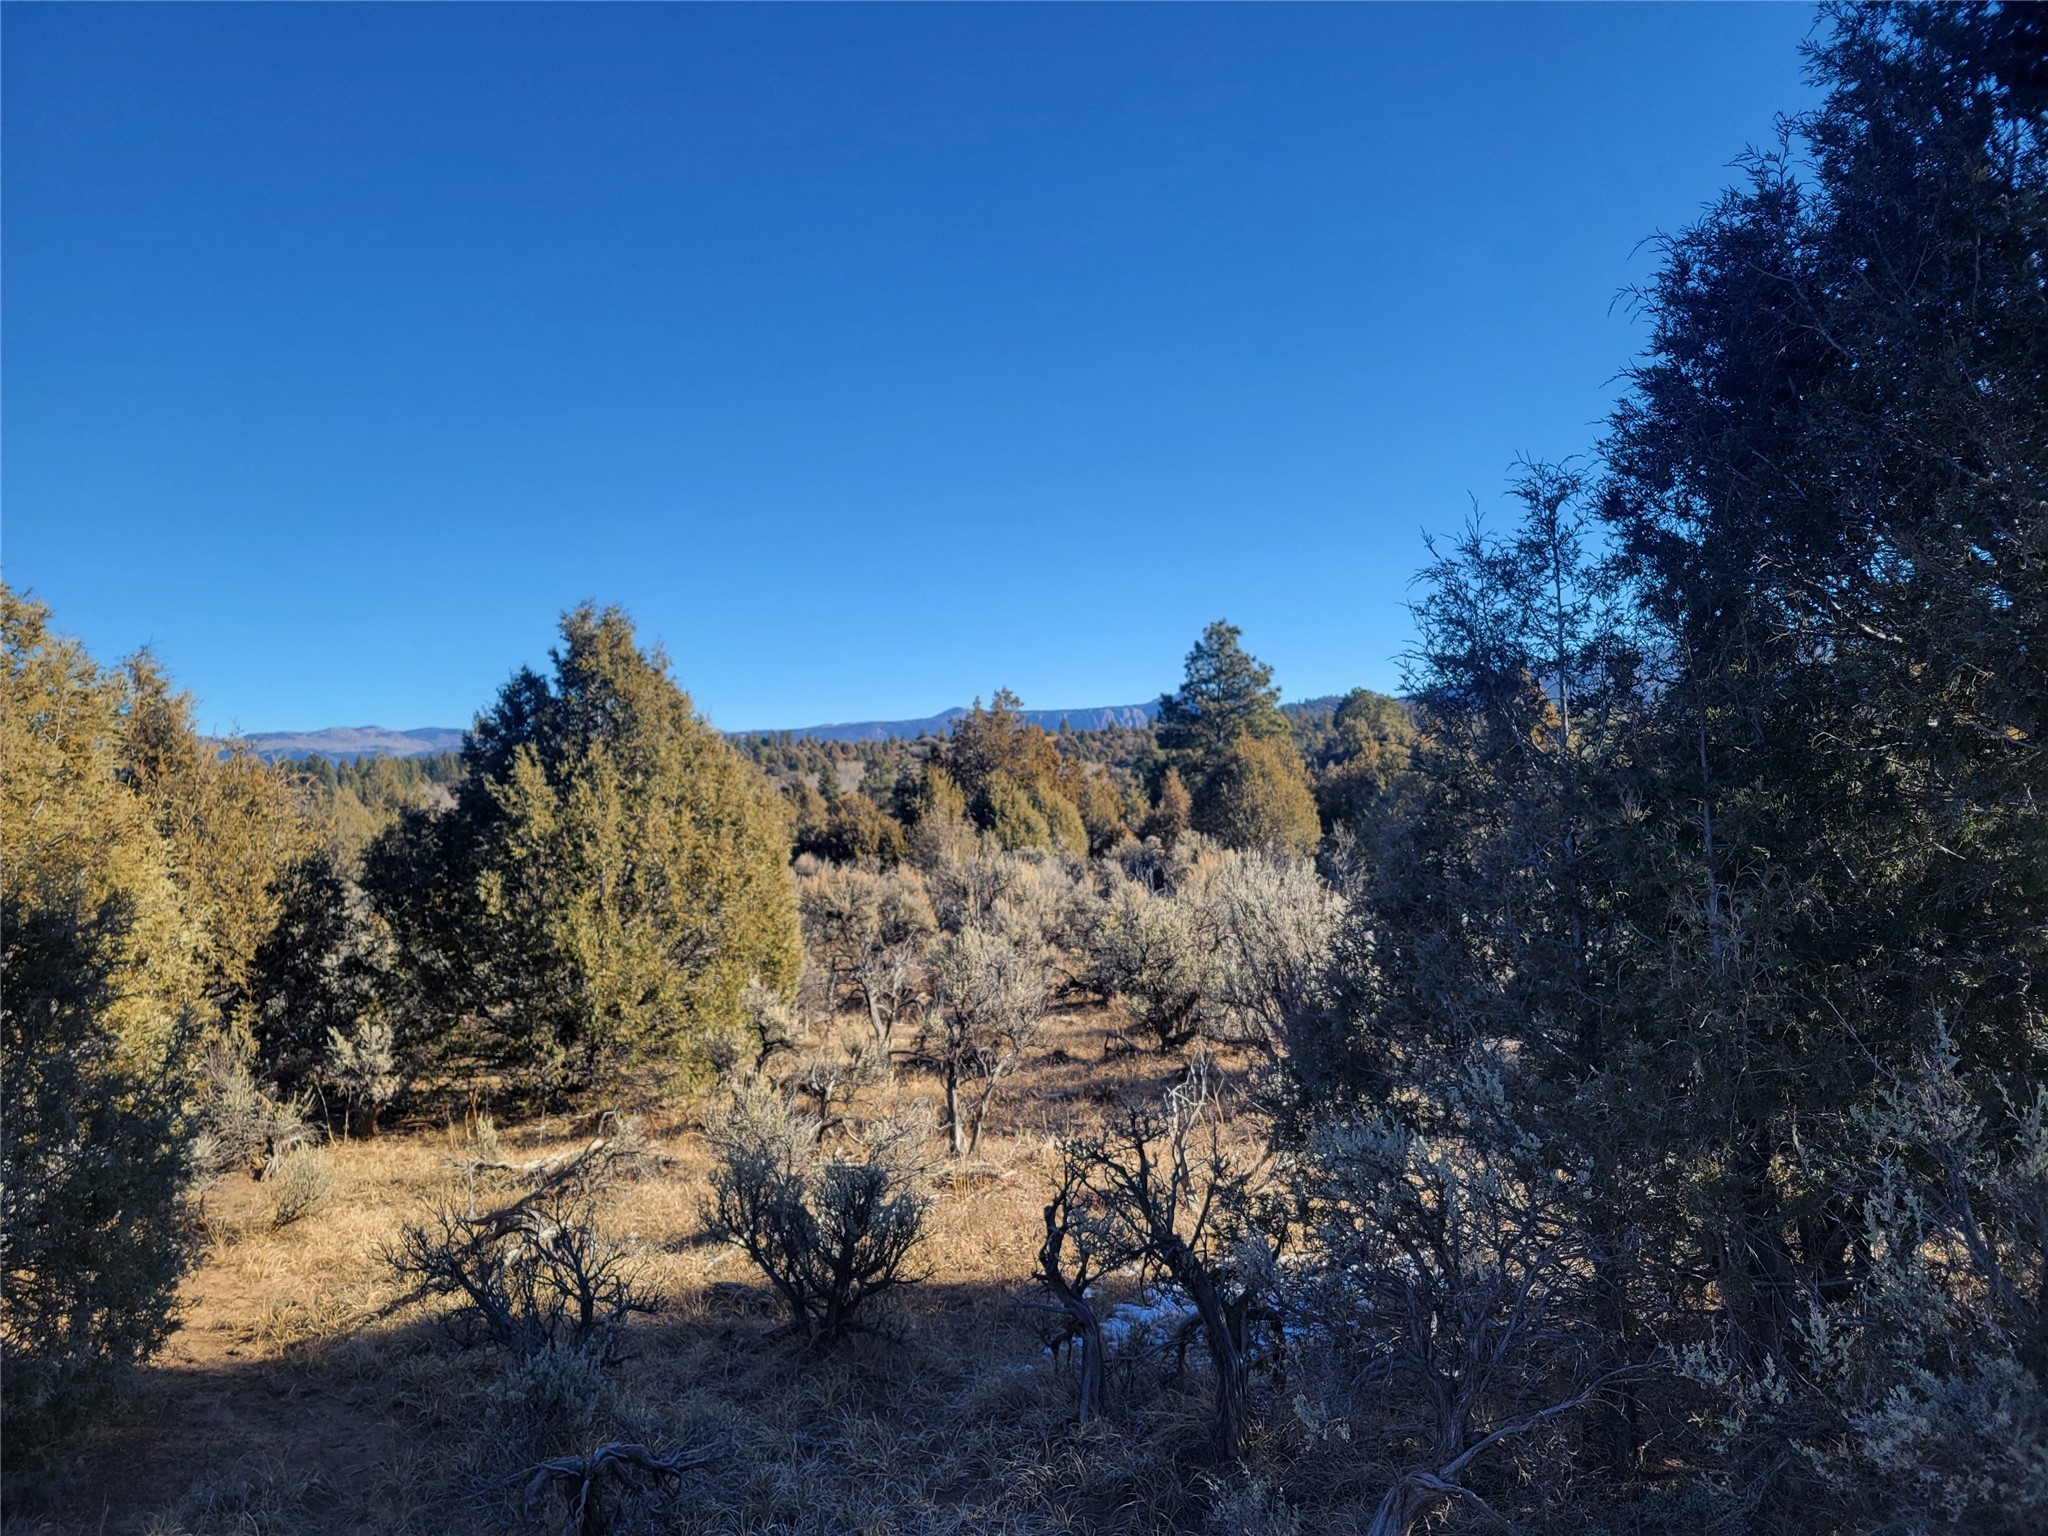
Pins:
x: 873, y: 357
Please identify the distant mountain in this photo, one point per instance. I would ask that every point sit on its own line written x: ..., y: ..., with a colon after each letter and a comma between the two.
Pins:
x: 343, y: 742
x: 1093, y: 718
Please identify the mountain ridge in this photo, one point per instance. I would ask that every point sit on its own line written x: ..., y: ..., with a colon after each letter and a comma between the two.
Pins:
x: 346, y: 742
x: 353, y: 741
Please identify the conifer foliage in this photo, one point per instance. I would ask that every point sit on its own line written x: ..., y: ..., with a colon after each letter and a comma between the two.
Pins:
x: 611, y: 879
x: 1718, y: 866
x: 105, y: 989
x: 1224, y: 732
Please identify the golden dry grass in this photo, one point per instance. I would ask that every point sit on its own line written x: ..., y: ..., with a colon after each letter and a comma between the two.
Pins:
x: 294, y: 1400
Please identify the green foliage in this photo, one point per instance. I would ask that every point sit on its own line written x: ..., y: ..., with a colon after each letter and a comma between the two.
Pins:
x: 229, y: 820
x: 106, y: 984
x: 1105, y: 817
x: 353, y: 801
x: 854, y: 830
x: 1257, y: 797
x: 319, y: 973
x: 1227, y: 693
x: 610, y: 880
x: 1360, y: 755
x: 1013, y: 778
x: 1705, y: 847
x: 1225, y: 733
x: 1172, y: 813
x: 938, y: 797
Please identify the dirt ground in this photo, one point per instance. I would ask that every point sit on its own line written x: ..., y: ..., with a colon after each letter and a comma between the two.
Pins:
x: 294, y: 1398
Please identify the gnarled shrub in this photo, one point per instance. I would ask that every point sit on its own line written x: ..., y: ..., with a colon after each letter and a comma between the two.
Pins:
x: 831, y: 1231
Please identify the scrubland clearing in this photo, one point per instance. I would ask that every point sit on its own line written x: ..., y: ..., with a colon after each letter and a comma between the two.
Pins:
x: 293, y: 1397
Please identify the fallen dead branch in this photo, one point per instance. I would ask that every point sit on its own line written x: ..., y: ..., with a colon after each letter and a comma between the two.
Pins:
x: 581, y: 1479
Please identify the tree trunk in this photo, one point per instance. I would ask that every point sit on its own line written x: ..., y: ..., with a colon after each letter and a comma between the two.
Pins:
x: 883, y: 1028
x: 953, y: 1110
x: 988, y: 1092
x: 1406, y: 1503
x: 1090, y: 1370
x: 1223, y: 1332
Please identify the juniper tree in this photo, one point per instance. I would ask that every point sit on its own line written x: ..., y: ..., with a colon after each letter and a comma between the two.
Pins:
x: 1700, y: 844
x: 612, y: 877
x: 1829, y: 475
x: 1013, y: 779
x: 106, y: 986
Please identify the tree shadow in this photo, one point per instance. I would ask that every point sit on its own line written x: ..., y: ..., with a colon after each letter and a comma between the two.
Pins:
x: 940, y: 1404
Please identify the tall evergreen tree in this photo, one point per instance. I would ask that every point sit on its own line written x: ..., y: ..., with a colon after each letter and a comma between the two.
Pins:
x: 232, y: 825
x: 105, y: 988
x: 1223, y: 730
x: 1709, y: 855
x: 612, y: 877
x: 1226, y: 692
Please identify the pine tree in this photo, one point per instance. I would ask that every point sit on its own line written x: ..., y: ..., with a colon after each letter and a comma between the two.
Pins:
x: 1226, y: 693
x: 1234, y: 748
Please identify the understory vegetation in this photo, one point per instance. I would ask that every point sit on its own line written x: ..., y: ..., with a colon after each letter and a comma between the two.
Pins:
x: 1605, y: 1089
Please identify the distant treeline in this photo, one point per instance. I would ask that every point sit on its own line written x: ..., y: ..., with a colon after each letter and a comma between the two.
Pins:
x: 855, y: 800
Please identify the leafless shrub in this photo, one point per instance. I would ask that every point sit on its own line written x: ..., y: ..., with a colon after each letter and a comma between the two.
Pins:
x: 539, y: 1420
x: 1162, y: 1185
x: 537, y: 1275
x: 1458, y: 1291
x: 777, y: 1024
x: 831, y: 1231
x: 588, y: 1170
x: 581, y: 1480
x: 829, y: 1078
x: 1080, y: 1247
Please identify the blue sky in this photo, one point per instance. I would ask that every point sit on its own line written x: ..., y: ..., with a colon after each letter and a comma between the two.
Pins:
x: 873, y: 357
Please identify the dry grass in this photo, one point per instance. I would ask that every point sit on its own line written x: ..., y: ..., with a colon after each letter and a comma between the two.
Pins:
x: 295, y: 1400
